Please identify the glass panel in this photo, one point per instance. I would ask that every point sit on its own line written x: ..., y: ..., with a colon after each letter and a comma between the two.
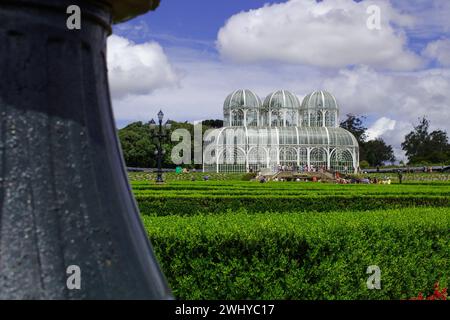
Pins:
x: 252, y: 117
x: 318, y: 160
x: 330, y: 118
x: 342, y: 161
x: 237, y: 118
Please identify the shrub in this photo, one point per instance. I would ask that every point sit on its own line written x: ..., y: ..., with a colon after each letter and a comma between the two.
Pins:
x: 248, y: 176
x: 364, y: 164
x: 302, y: 256
x: 173, y: 204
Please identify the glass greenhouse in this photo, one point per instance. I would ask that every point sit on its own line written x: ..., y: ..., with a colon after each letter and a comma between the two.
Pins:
x: 280, y: 133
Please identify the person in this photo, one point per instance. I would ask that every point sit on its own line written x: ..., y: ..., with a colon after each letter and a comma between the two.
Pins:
x: 400, y: 176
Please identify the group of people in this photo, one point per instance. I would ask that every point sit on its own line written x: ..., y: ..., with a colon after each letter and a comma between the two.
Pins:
x: 263, y: 179
x: 295, y: 168
x: 186, y: 170
x: 365, y: 180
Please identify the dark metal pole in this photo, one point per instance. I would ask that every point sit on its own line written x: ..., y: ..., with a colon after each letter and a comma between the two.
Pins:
x: 159, y: 178
x: 160, y: 135
x: 64, y: 194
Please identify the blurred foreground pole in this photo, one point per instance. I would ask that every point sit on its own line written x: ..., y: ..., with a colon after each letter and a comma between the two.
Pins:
x: 69, y: 226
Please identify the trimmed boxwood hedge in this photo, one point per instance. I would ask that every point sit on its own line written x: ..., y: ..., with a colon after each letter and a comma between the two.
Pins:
x: 183, y: 205
x: 303, y: 255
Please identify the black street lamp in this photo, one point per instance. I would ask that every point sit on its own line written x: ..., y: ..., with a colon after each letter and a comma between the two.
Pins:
x: 159, y: 134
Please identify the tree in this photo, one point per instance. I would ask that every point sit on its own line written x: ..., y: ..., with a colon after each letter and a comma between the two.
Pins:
x: 424, y: 147
x: 355, y: 125
x: 378, y: 152
x: 213, y: 123
x: 374, y: 152
x: 138, y: 147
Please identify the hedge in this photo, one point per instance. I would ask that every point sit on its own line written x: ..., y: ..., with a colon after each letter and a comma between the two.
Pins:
x: 303, y: 256
x: 183, y: 205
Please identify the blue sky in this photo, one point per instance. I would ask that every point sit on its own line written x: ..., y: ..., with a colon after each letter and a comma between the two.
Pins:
x: 188, y: 55
x: 195, y: 20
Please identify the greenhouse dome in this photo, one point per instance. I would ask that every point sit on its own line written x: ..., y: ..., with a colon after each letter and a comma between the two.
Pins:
x: 319, y: 109
x: 242, y: 108
x: 281, y: 109
x: 284, y: 141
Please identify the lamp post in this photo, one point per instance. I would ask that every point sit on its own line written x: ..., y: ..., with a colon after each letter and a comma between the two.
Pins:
x: 159, y: 134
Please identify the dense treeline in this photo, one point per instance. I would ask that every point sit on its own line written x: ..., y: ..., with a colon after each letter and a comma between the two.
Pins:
x: 421, y: 146
x: 139, y: 148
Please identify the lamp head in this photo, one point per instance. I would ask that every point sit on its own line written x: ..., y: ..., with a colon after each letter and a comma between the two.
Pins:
x: 160, y: 115
x: 152, y: 124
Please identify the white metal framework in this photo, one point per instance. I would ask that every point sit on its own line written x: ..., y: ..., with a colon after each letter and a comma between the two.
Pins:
x: 279, y: 134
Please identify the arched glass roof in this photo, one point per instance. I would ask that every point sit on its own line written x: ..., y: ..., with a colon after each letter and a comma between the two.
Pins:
x: 319, y: 100
x: 305, y: 136
x: 281, y: 99
x: 242, y: 98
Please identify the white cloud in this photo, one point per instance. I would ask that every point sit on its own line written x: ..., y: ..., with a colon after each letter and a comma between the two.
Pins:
x: 396, y: 136
x: 205, y: 84
x: 399, y: 96
x: 379, y: 127
x: 440, y: 51
x: 137, y: 69
x: 331, y: 33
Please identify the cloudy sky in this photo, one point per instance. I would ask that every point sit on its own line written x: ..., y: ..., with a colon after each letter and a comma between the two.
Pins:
x: 187, y: 56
